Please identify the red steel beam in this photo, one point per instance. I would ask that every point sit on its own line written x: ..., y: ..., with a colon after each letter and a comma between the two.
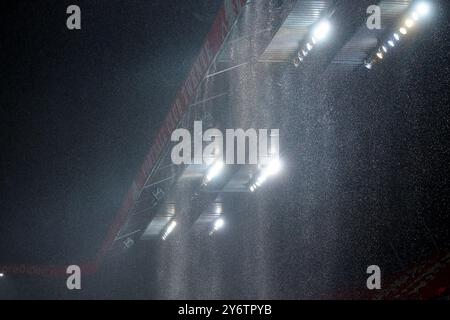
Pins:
x: 215, y: 39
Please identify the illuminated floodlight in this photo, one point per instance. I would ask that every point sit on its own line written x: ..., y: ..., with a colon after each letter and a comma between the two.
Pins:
x: 384, y: 49
x: 215, y: 170
x: 314, y: 40
x: 380, y: 55
x: 391, y: 43
x: 415, y: 16
x: 2, y: 274
x: 169, y: 229
x: 273, y: 167
x: 409, y: 23
x: 368, y: 65
x: 269, y: 170
x: 321, y: 31
x: 305, y: 53
x: 396, y: 37
x: 422, y: 8
x: 309, y: 46
x: 403, y: 30
x: 218, y: 224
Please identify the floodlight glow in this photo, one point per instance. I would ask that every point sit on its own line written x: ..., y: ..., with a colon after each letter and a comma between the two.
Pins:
x: 215, y: 170
x: 219, y: 224
x: 172, y: 226
x: 396, y: 36
x: 314, y: 40
x: 380, y: 55
x: 273, y: 168
x: 415, y: 16
x: 403, y: 30
x: 2, y: 275
x: 309, y: 46
x: 391, y: 43
x: 384, y: 49
x: 368, y: 65
x: 321, y: 30
x: 169, y: 229
x: 423, y: 9
x: 269, y: 170
x: 305, y: 53
x: 409, y: 23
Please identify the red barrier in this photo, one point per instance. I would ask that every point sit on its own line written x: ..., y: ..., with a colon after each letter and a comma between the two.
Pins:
x: 211, y: 47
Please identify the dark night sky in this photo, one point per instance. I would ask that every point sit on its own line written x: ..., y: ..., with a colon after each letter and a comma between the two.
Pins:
x: 78, y: 111
x: 366, y: 157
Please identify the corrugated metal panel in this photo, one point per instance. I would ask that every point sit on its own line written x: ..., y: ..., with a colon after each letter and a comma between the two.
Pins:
x: 390, y: 10
x: 355, y: 51
x: 365, y: 41
x: 159, y: 222
x: 206, y: 220
x: 287, y: 40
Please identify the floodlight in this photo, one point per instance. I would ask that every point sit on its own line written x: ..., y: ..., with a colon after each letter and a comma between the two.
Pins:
x: 422, y: 8
x: 409, y: 23
x: 321, y: 30
x: 215, y: 170
x: 169, y: 229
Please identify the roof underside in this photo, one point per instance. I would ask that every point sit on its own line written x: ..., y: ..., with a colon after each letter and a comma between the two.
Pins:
x: 286, y: 42
x: 281, y: 48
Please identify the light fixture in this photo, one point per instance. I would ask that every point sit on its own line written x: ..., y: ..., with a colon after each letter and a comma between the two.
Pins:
x: 2, y: 274
x: 297, y: 62
x: 273, y: 167
x: 309, y: 46
x: 419, y: 10
x: 305, y: 53
x: 215, y: 170
x: 169, y: 229
x: 409, y: 23
x: 218, y: 224
x: 321, y: 31
x: 423, y: 8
